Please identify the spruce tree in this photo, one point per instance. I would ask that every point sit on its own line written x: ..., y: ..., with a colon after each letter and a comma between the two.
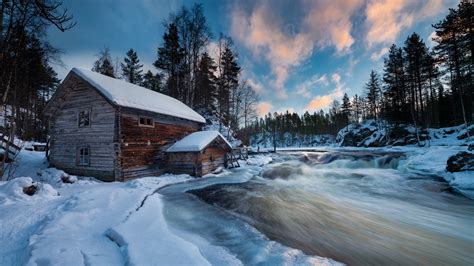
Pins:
x: 205, y: 97
x: 170, y: 60
x: 103, y: 64
x: 152, y: 81
x: 373, y: 95
x: 131, y: 68
x: 346, y: 108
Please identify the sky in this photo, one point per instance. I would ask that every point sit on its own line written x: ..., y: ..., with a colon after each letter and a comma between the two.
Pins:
x: 297, y: 55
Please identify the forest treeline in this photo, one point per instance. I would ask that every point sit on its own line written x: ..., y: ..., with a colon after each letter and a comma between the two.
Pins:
x: 418, y: 85
x: 27, y: 78
x: 208, y: 81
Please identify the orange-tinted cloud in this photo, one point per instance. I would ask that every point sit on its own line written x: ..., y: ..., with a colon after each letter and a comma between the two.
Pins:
x: 323, y: 101
x: 263, y: 108
x: 387, y: 18
x: 325, y: 23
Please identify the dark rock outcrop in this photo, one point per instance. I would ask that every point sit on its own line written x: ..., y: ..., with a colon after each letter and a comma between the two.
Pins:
x: 462, y: 161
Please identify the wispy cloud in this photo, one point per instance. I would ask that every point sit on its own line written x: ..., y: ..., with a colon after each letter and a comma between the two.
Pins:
x: 304, y: 89
x: 377, y: 55
x: 256, y: 86
x: 323, y: 101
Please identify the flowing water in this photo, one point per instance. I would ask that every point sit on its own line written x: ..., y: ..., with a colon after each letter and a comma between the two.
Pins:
x: 354, y: 207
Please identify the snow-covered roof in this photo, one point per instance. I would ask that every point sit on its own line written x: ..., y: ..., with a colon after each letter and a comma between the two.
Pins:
x: 126, y: 94
x: 197, y: 141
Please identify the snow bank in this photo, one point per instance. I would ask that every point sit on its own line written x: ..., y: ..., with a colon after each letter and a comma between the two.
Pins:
x: 74, y: 234
x: 197, y: 141
x: 127, y: 94
x: 12, y: 190
x: 259, y: 160
x: 429, y: 160
x: 153, y: 243
x: 463, y: 180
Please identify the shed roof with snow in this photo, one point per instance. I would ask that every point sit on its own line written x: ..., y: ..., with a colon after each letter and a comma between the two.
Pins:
x: 198, y: 141
x: 125, y: 94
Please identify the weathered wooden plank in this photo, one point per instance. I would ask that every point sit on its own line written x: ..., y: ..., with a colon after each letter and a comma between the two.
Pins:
x: 67, y: 136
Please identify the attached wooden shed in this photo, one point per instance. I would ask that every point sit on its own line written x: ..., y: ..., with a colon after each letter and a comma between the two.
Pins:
x: 199, y: 153
x: 114, y: 130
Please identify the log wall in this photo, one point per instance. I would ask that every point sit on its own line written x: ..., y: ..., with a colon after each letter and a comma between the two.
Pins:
x: 142, y: 148
x: 197, y: 163
x: 67, y: 136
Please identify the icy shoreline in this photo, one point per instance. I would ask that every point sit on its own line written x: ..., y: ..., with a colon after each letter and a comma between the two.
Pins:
x: 90, y: 222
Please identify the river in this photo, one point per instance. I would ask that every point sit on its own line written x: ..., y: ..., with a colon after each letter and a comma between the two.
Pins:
x: 355, y: 207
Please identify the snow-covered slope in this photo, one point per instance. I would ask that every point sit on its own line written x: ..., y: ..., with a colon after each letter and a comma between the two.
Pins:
x: 373, y: 133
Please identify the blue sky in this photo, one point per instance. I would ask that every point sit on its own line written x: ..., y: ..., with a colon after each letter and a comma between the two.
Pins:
x: 297, y: 55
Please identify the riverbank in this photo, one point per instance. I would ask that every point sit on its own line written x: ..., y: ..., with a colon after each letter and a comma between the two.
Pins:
x: 91, y: 222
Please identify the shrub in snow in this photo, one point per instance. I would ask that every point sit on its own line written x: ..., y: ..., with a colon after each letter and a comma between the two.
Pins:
x: 56, y: 177
x: 24, y: 188
x: 218, y: 170
x: 30, y: 190
x: 69, y: 179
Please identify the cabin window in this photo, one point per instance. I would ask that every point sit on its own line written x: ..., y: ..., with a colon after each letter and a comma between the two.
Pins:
x: 83, y: 156
x: 84, y: 118
x: 145, y: 121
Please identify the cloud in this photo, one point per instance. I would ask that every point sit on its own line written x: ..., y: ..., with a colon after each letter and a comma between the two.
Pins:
x: 330, y: 22
x: 323, y: 101
x: 263, y: 108
x: 387, y: 18
x: 324, y: 23
x: 304, y: 89
x: 376, y: 55
x: 256, y: 86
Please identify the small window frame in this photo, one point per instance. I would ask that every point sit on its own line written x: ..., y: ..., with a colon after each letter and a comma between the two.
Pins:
x: 146, y: 121
x: 88, y: 111
x: 83, y: 156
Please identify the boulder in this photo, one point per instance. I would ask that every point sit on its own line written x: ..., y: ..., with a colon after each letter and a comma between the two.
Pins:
x: 462, y: 161
x: 30, y: 190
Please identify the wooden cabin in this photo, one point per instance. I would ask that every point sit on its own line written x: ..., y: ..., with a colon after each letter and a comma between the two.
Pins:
x: 113, y: 130
x: 199, y: 153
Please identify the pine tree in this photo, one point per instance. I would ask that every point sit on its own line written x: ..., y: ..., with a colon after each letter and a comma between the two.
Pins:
x: 131, y: 68
x: 170, y: 60
x: 205, y: 97
x: 103, y: 64
x: 373, y: 95
x: 152, y: 81
x: 454, y: 50
x: 395, y: 105
x: 416, y: 51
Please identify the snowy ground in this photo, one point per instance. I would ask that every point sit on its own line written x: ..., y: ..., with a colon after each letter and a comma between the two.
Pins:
x: 73, y: 224
x: 94, y: 223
